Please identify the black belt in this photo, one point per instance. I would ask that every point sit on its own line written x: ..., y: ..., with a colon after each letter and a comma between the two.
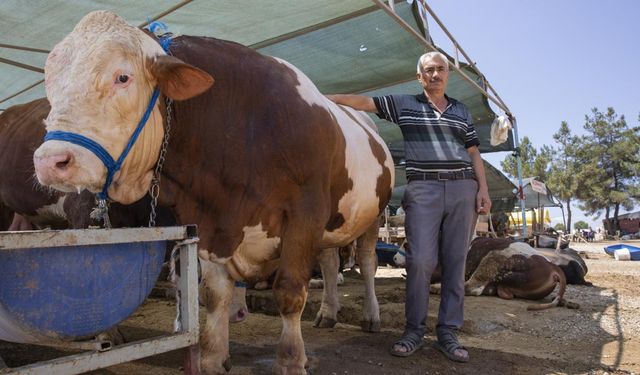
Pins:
x: 442, y: 176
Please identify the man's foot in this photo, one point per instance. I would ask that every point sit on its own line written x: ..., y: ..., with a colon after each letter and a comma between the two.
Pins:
x: 449, y: 345
x: 407, y: 345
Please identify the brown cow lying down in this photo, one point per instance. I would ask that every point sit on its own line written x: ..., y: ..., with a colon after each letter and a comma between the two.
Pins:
x: 508, y: 269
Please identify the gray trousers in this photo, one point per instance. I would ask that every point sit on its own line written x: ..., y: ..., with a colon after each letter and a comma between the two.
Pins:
x: 440, y: 217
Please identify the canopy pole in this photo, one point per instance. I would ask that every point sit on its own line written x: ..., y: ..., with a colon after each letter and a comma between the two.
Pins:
x: 21, y: 91
x: 21, y: 48
x: 425, y: 42
x: 521, y: 196
x: 459, y: 48
x: 21, y: 65
x: 168, y: 11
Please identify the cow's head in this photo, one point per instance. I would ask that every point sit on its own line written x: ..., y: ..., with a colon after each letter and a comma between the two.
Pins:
x: 99, y: 80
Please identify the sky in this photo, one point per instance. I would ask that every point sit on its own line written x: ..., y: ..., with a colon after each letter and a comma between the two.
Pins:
x: 550, y: 61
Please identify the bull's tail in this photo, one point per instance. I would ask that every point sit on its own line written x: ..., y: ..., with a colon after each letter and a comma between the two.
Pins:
x: 558, y: 277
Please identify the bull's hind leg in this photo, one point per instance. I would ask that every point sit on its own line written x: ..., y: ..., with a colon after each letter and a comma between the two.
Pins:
x: 329, y: 264
x: 368, y: 261
x: 214, y: 342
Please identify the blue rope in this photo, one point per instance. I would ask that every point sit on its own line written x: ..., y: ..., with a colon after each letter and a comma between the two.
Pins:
x: 93, y: 146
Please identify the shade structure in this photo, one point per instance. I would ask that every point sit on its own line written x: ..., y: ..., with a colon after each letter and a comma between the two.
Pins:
x: 343, y: 46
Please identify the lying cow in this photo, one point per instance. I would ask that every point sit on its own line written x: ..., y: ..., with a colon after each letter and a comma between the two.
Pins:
x: 508, y: 269
x: 264, y: 164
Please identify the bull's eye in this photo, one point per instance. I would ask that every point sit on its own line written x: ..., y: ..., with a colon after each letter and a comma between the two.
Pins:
x: 122, y: 78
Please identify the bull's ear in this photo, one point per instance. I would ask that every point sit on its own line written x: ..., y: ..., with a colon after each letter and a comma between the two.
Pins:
x: 178, y: 80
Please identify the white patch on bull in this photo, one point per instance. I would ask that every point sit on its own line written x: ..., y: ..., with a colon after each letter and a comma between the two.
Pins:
x: 52, y: 213
x: 256, y: 249
x: 359, y: 206
x: 306, y: 89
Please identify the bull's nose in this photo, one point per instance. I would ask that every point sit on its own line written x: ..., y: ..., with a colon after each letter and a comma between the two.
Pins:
x: 52, y: 168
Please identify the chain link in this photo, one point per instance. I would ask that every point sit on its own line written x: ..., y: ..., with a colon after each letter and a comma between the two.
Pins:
x: 154, y: 190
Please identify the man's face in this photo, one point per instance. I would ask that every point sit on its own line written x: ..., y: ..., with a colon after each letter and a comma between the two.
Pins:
x: 434, y: 75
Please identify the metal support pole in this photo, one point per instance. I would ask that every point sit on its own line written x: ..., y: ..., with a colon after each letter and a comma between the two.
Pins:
x: 521, y: 196
x: 426, y: 43
x: 188, y: 285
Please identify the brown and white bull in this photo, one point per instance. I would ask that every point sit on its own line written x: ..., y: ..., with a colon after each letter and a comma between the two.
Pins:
x: 264, y: 164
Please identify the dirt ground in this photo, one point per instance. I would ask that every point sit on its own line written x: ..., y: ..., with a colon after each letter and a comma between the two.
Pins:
x: 601, y: 337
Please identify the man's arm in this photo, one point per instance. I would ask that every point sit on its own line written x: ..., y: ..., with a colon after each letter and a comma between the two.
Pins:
x: 359, y: 102
x: 483, y: 201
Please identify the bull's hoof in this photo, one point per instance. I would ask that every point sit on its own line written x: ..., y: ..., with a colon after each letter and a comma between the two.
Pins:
x: 324, y: 322
x: 370, y: 326
x: 227, y: 364
x: 239, y: 316
x: 279, y: 369
x: 209, y: 368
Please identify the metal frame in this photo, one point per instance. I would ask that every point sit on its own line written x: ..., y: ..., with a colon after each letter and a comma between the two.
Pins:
x: 188, y: 337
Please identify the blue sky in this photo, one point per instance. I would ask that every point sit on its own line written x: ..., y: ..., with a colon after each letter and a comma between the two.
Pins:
x: 550, y: 61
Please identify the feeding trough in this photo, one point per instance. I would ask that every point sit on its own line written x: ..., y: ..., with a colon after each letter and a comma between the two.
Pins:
x: 68, y: 292
x: 58, y: 287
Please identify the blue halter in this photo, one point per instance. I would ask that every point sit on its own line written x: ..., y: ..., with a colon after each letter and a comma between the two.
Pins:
x: 112, y: 165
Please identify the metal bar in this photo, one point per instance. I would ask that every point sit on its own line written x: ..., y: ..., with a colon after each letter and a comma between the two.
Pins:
x: 307, y: 30
x: 521, y: 195
x: 459, y: 48
x: 84, y: 362
x: 21, y: 65
x: 10, y: 46
x: 21, y: 91
x: 170, y: 10
x: 188, y: 285
x: 421, y: 39
x: 78, y: 237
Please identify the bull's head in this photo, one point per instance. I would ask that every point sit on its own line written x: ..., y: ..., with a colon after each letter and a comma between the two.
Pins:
x: 99, y: 80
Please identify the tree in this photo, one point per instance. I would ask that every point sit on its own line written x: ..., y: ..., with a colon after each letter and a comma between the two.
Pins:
x: 562, y: 179
x: 559, y: 227
x: 581, y: 225
x: 610, y: 165
x: 528, y: 155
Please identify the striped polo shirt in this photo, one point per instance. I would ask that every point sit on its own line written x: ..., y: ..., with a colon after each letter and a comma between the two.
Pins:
x: 432, y: 142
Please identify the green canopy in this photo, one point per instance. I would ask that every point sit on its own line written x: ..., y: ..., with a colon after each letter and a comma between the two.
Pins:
x: 343, y: 46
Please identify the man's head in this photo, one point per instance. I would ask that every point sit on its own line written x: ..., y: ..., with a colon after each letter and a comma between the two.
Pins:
x: 433, y: 72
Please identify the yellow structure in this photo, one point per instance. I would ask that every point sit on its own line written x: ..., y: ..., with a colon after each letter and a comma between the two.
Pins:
x: 515, y: 218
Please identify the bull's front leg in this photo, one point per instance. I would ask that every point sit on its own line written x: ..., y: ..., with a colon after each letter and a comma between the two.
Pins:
x: 214, y: 343
x: 368, y: 261
x: 329, y: 264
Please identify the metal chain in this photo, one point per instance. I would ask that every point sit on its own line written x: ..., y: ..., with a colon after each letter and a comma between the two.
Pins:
x: 154, y: 190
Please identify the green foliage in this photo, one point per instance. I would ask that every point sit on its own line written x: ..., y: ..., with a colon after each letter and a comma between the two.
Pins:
x: 559, y: 227
x: 610, y: 164
x: 581, y: 225
x: 600, y: 170
x: 534, y: 164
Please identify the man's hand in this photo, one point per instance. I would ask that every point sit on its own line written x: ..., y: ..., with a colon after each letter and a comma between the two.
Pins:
x: 483, y: 202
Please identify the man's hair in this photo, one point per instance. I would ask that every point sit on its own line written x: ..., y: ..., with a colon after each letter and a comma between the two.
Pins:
x: 430, y: 56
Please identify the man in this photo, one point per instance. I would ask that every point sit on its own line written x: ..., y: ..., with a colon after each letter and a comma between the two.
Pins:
x: 446, y: 190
